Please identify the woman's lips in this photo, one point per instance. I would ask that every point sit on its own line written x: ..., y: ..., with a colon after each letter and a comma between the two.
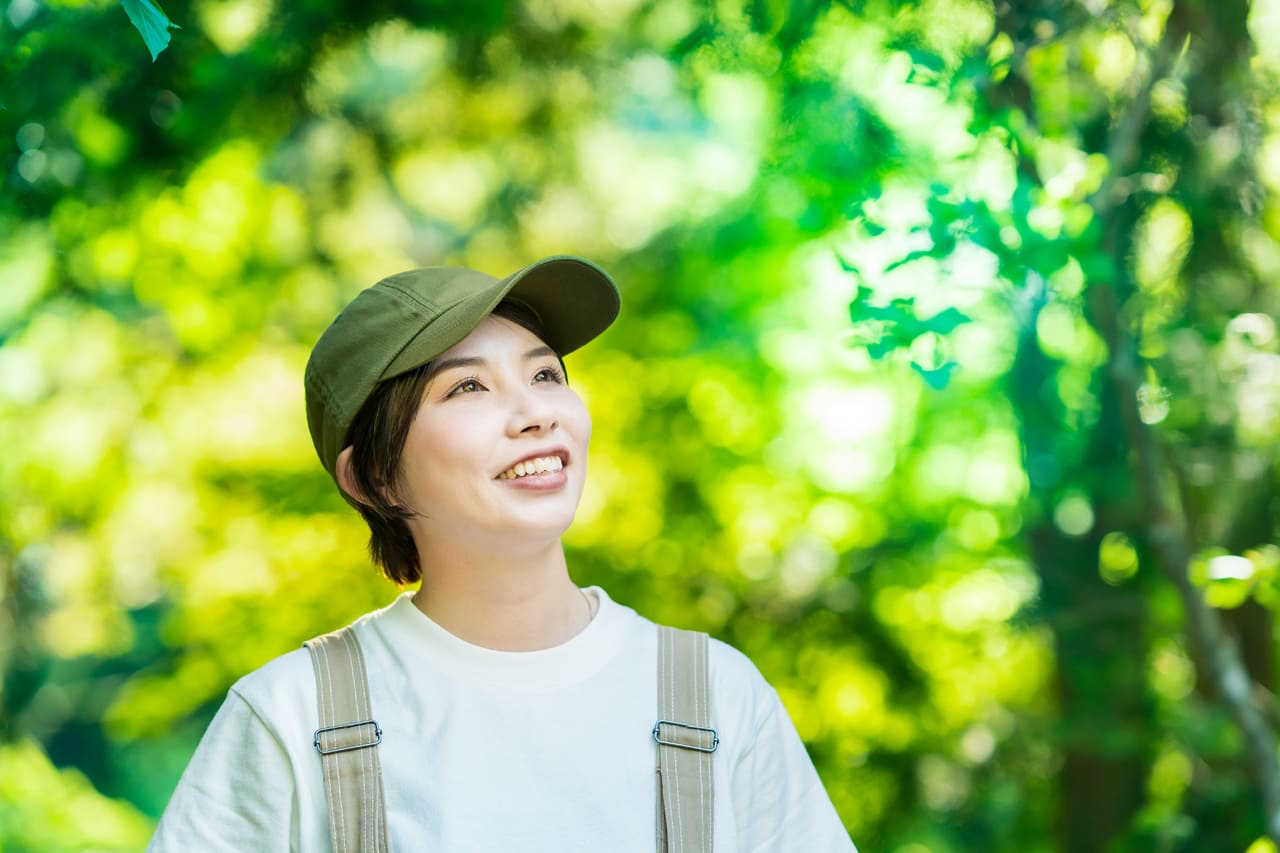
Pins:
x: 546, y: 481
x: 533, y: 465
x: 543, y: 470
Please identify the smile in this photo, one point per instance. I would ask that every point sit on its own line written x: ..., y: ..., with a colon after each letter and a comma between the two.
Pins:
x: 540, y: 465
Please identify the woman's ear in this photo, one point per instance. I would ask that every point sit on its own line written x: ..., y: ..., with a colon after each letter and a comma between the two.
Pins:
x: 347, y: 477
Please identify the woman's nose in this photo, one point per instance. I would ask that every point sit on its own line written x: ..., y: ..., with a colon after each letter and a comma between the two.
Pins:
x: 533, y: 413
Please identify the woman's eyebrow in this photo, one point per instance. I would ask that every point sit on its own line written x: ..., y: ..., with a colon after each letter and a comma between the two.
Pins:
x: 444, y: 364
x: 475, y: 361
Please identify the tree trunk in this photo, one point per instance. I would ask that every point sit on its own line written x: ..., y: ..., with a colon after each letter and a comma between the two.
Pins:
x: 1099, y: 631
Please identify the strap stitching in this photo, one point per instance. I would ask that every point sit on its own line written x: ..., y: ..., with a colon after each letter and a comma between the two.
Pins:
x: 677, y: 758
x: 374, y: 775
x: 664, y: 760
x: 331, y: 769
x: 378, y: 815
x: 361, y: 713
x: 701, y: 690
x: 706, y: 716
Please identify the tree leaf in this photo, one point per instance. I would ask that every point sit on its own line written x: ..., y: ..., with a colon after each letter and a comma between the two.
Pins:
x: 861, y: 309
x: 926, y: 66
x: 151, y: 21
x: 936, y: 379
x: 881, y: 348
x: 911, y: 256
x: 945, y: 321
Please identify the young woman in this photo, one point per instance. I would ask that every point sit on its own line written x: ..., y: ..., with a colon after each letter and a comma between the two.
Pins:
x: 507, y: 709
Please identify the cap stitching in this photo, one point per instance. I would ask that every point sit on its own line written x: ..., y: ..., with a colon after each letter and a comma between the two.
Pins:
x: 440, y: 312
x: 413, y: 297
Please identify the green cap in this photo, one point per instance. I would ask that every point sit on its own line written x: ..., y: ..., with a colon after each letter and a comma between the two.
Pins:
x: 407, y: 319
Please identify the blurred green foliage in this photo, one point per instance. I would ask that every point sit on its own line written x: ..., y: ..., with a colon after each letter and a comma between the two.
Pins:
x: 864, y: 415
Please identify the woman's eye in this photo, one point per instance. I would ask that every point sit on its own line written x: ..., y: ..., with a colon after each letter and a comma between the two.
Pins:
x: 466, y: 386
x: 548, y: 374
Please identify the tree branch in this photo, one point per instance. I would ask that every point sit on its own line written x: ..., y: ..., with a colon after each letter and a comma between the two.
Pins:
x: 1123, y: 144
x: 1166, y: 533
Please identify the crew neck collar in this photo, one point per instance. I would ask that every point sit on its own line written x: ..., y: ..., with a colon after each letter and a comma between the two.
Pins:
x: 576, y: 659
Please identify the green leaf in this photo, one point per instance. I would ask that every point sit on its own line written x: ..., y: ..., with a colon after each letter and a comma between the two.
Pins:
x: 898, y: 311
x: 926, y: 66
x: 151, y: 21
x: 936, y: 379
x: 946, y: 321
x: 848, y: 266
x: 927, y: 59
x: 911, y: 256
x: 881, y: 348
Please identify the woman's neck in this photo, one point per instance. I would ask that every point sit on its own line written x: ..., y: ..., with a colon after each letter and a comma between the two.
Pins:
x: 508, y: 602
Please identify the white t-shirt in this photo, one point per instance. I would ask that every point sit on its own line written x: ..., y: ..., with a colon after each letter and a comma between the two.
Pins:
x: 482, y: 750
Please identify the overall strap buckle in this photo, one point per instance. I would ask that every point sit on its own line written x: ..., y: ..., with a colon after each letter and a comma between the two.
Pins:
x: 364, y: 744
x: 696, y: 741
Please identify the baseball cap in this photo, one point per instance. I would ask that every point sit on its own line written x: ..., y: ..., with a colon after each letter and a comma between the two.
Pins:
x: 407, y: 319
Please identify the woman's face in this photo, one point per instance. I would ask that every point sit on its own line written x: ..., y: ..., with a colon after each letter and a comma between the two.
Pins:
x: 499, y: 445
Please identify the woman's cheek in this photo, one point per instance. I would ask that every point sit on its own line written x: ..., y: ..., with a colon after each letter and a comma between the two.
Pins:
x: 581, y: 417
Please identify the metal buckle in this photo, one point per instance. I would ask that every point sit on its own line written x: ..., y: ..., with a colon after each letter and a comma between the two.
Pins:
x: 377, y: 734
x: 657, y: 736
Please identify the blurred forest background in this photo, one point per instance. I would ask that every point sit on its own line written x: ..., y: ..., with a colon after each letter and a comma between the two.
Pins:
x: 947, y: 384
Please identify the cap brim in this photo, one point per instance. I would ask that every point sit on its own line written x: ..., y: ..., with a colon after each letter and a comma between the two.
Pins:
x: 573, y: 299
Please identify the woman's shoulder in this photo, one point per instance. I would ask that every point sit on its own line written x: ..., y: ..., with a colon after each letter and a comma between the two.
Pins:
x: 287, y: 683
x: 738, y: 688
x: 287, y: 674
x: 729, y: 668
x: 280, y: 694
x: 732, y: 669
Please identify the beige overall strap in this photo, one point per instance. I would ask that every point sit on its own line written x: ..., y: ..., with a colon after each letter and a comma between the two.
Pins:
x: 347, y: 741
x: 685, y: 743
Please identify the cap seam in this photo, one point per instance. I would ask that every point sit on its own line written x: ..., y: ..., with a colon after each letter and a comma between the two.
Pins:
x: 382, y: 372
x: 413, y: 297
x: 330, y: 404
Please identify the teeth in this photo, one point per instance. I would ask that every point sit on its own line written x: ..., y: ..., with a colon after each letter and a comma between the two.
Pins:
x: 541, y: 465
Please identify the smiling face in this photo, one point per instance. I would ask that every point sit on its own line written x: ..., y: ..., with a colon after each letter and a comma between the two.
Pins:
x: 498, y: 448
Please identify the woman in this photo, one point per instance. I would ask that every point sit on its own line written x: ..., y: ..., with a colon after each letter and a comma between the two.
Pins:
x: 510, y: 709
